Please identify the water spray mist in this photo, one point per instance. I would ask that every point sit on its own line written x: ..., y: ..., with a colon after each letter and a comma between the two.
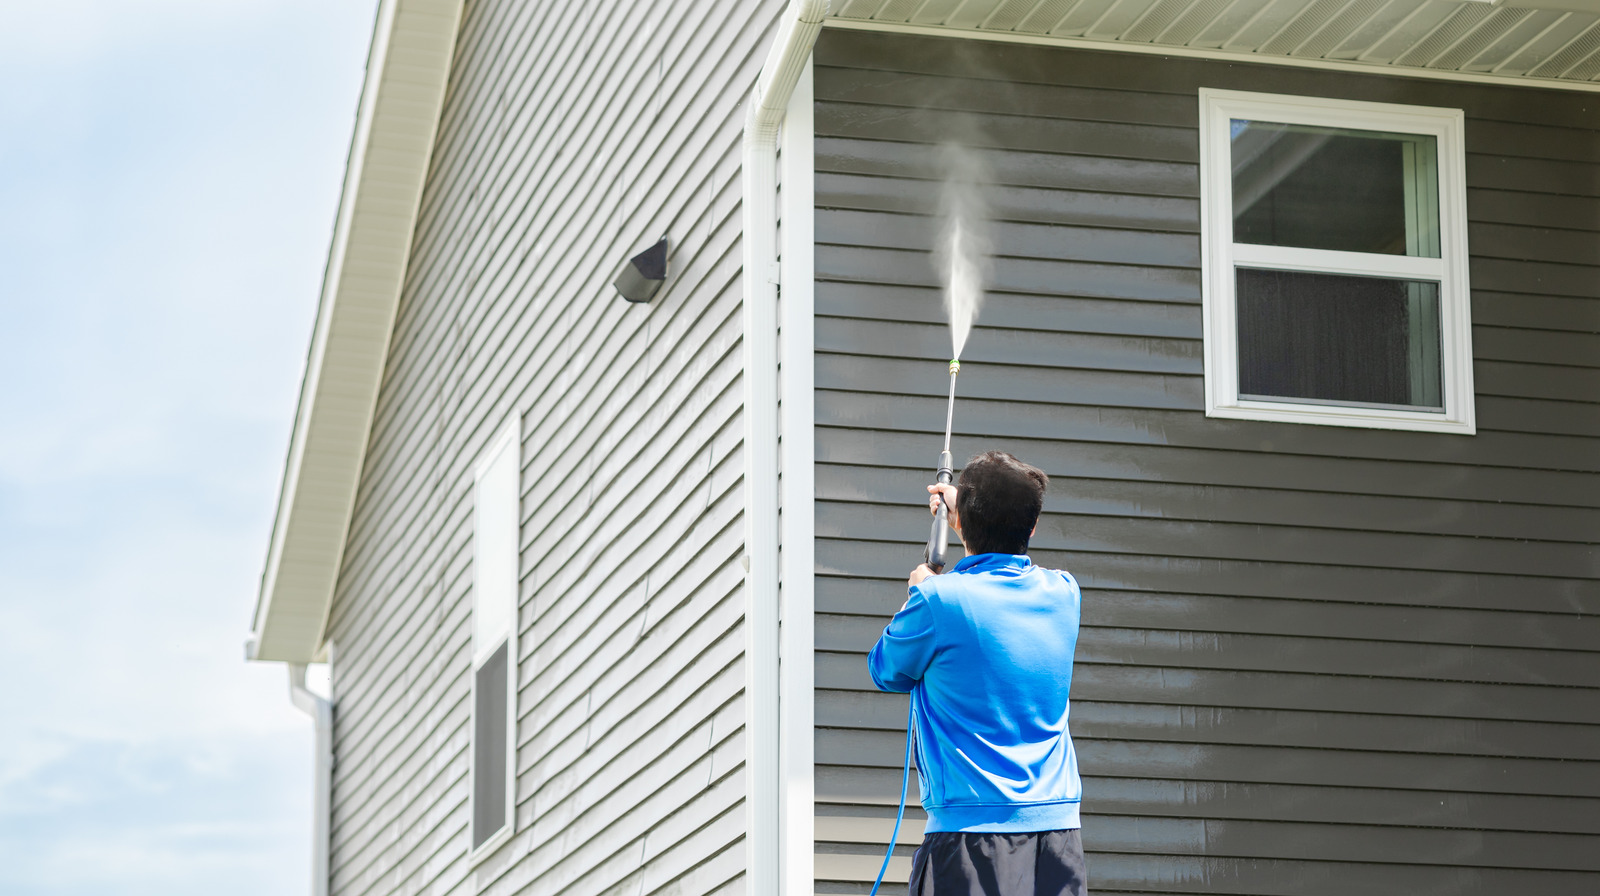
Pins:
x: 963, y: 257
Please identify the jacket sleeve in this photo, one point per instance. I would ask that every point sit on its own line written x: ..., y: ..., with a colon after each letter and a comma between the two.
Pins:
x: 904, y: 651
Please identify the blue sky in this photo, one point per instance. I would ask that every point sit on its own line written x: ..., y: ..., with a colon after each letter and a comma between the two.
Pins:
x: 169, y: 171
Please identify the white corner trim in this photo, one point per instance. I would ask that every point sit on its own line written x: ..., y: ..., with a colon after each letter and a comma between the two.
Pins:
x: 797, y: 642
x: 413, y: 43
x: 1241, y: 57
x: 1220, y: 255
x: 797, y: 30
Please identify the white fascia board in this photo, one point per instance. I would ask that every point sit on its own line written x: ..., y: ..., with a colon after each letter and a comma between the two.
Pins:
x: 408, y: 69
x: 1587, y: 7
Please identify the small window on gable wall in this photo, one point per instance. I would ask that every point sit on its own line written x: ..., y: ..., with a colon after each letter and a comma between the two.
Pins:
x: 495, y: 526
x: 1336, y: 262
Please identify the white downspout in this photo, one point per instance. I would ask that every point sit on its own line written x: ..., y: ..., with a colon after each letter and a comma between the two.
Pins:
x: 321, y: 713
x: 797, y: 32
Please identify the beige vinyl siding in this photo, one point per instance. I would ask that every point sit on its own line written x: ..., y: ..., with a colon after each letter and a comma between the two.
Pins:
x: 1314, y: 660
x: 572, y: 136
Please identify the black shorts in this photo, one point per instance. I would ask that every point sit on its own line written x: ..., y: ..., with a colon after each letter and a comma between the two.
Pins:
x: 1040, y: 863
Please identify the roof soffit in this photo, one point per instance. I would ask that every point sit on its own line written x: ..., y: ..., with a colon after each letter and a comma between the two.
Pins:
x: 1553, y: 43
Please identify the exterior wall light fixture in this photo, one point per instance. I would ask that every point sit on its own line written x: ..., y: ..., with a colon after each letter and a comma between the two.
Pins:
x: 641, y: 278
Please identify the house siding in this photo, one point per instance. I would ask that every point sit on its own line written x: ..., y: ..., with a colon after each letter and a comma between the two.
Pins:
x: 573, y: 135
x: 1314, y: 659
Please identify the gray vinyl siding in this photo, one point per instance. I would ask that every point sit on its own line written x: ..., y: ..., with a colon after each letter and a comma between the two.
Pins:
x: 1314, y: 660
x: 573, y: 135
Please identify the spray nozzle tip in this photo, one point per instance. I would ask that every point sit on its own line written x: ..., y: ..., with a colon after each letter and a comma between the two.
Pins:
x: 955, y: 366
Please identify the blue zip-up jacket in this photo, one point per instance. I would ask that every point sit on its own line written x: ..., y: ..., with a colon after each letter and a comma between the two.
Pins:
x: 985, y: 651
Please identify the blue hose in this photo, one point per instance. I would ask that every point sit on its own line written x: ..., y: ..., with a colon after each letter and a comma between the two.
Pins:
x: 905, y: 782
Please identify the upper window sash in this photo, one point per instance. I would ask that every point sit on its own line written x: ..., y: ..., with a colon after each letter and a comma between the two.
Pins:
x: 1437, y: 182
x: 495, y: 523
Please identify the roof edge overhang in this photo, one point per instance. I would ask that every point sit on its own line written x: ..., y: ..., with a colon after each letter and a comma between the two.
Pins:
x: 1588, y: 37
x: 408, y: 68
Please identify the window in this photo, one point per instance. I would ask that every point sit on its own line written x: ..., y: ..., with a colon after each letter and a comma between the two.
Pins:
x: 1335, y: 251
x: 495, y: 526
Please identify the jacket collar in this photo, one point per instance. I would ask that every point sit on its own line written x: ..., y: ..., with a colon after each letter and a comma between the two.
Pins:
x: 993, y: 563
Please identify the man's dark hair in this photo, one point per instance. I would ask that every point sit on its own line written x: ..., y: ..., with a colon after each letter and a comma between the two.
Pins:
x: 998, y: 500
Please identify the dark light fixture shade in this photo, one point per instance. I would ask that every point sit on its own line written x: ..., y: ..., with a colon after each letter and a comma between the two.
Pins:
x: 642, y: 276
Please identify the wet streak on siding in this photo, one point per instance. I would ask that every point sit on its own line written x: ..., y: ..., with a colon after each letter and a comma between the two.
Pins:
x: 573, y: 135
x: 1315, y: 659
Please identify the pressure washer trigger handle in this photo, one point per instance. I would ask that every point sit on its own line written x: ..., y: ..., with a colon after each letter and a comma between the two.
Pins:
x: 938, y: 540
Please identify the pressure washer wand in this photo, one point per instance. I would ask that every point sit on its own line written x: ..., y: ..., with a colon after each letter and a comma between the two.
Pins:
x: 939, y: 539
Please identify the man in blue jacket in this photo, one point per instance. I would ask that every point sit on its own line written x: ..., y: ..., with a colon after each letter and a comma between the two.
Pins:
x: 985, y: 651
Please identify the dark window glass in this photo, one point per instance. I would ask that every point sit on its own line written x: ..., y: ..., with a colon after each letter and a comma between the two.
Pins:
x: 489, y: 747
x: 1338, y: 339
x: 1335, y: 188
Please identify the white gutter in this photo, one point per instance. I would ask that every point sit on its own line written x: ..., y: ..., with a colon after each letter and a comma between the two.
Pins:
x: 321, y: 713
x: 791, y: 49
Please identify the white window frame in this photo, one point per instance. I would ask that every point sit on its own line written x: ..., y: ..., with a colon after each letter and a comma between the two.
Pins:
x: 508, y: 441
x: 1220, y: 255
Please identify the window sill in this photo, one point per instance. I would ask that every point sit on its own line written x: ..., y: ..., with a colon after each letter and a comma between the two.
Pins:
x: 476, y: 856
x: 1326, y: 415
